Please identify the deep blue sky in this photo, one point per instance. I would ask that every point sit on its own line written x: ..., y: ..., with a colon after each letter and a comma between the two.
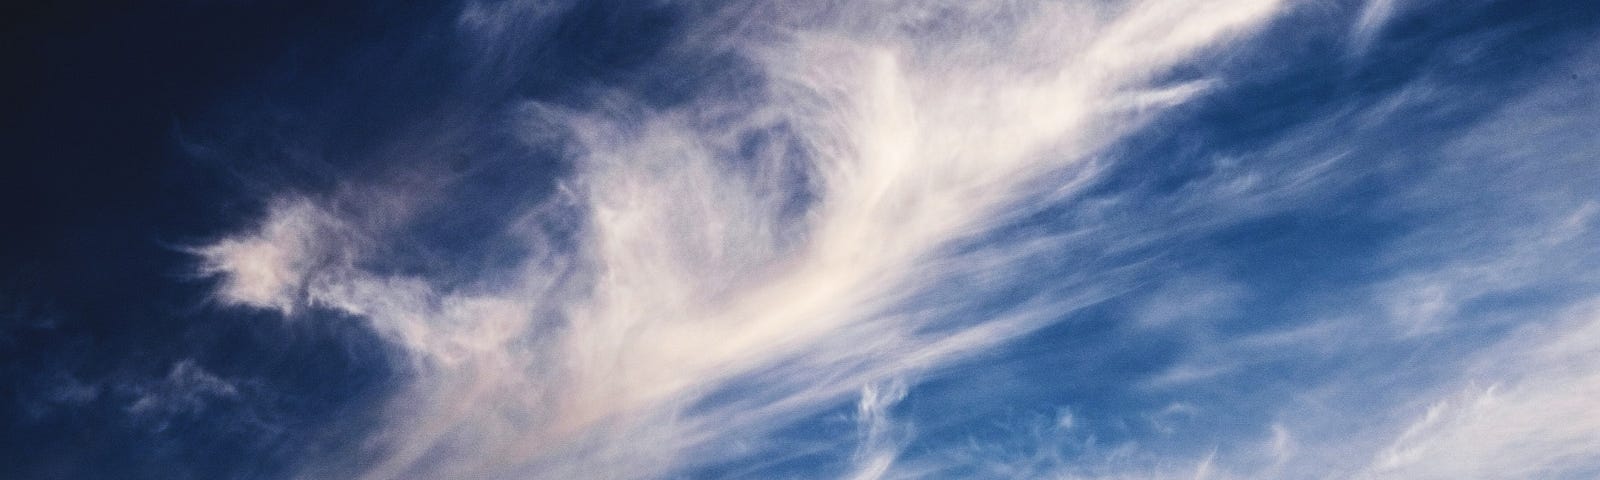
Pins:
x: 1363, y: 218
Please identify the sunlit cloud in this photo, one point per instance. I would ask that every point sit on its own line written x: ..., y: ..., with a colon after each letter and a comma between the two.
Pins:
x: 859, y: 212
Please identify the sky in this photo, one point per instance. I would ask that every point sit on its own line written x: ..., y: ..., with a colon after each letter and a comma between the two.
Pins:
x: 877, y: 239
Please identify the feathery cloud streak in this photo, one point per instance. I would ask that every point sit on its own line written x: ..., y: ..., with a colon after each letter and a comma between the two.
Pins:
x: 715, y: 289
x: 857, y: 210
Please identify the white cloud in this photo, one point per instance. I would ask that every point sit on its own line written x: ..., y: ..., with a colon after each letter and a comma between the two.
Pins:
x: 879, y: 436
x: 1190, y: 298
x: 1410, y: 377
x: 1534, y: 419
x: 187, y: 389
x: 1369, y: 24
x: 696, y: 306
x: 269, y: 267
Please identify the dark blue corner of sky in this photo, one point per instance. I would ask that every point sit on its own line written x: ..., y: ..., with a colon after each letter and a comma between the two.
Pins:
x: 99, y: 195
x: 135, y: 130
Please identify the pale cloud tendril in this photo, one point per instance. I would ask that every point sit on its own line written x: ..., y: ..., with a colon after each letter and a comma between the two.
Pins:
x: 890, y: 189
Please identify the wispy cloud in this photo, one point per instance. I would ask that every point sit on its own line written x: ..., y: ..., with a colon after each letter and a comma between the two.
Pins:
x: 859, y: 210
x: 717, y: 287
x: 1517, y: 410
x: 185, y: 390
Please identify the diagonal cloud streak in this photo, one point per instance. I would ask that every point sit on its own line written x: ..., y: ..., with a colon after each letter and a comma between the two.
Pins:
x: 714, y: 270
x: 795, y: 238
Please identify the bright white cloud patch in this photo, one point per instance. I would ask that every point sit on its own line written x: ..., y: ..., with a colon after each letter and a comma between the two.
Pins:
x: 270, y: 268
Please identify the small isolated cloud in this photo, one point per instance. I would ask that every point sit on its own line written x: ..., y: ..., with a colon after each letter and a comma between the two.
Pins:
x: 1190, y: 299
x: 270, y: 267
x: 880, y: 437
x: 186, y: 390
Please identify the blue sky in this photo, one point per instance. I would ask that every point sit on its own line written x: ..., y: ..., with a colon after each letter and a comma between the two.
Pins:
x: 1132, y: 239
